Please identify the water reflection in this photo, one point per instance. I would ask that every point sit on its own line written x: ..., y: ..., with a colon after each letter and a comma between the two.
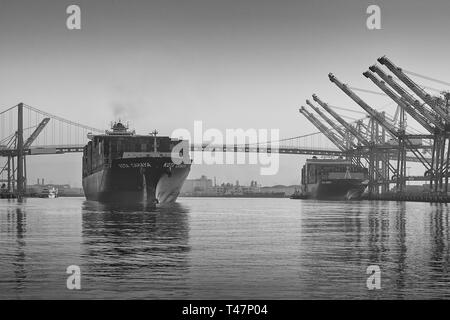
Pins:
x: 19, y: 262
x: 13, y: 223
x: 216, y: 248
x: 137, y: 246
x: 409, y: 241
x: 439, y: 243
x: 399, y: 232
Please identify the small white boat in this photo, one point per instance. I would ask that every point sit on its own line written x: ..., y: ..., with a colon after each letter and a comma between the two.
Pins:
x: 49, y: 193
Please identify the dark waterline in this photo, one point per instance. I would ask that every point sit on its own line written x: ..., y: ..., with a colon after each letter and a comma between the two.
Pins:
x: 214, y: 248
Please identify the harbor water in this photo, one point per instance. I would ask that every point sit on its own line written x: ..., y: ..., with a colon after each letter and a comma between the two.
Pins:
x: 224, y: 248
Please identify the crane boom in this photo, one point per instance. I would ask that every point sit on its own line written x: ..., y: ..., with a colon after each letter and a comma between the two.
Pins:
x: 330, y: 135
x: 386, y: 125
x: 400, y: 101
x: 372, y: 112
x: 328, y: 120
x: 36, y: 133
x: 435, y: 103
x: 427, y: 113
x: 344, y: 123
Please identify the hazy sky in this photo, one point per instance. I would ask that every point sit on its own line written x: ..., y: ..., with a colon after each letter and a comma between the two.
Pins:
x: 231, y: 64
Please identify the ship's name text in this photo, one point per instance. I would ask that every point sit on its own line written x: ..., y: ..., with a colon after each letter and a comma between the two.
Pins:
x: 148, y: 165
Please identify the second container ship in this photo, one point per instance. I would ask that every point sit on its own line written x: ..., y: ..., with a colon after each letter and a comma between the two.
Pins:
x: 332, y: 179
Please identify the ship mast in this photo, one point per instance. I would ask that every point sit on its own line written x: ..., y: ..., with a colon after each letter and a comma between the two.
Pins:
x: 154, y: 133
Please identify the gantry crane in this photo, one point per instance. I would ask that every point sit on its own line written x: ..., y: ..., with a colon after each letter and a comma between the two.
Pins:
x: 441, y: 143
x: 375, y: 172
x: 362, y: 141
x: 380, y: 154
x: 372, y: 112
x: 400, y: 101
x: 322, y: 128
x: 332, y: 124
x: 436, y: 103
x: 430, y: 115
x: 344, y: 123
x: 16, y: 177
x: 401, y: 163
x: 35, y: 133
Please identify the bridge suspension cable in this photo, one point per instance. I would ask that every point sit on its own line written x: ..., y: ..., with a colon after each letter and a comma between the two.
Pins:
x: 4, y: 111
x: 52, y: 130
x: 62, y: 119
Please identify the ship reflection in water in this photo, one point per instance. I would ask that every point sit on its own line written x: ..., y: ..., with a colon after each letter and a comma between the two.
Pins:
x: 143, y: 248
x: 224, y: 248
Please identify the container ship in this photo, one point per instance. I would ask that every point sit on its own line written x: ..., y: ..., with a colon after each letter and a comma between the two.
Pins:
x: 332, y: 179
x: 120, y: 166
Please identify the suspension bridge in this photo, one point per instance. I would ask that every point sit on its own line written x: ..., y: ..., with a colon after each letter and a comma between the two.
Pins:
x: 29, y: 131
x: 377, y: 140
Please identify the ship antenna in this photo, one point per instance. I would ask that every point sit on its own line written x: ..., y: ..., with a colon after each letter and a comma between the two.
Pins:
x: 154, y: 133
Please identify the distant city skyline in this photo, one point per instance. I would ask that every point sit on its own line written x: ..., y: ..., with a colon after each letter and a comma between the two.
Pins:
x: 215, y: 181
x: 232, y: 64
x: 75, y: 184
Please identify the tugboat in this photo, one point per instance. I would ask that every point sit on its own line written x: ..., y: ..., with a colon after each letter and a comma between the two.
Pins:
x: 298, y: 195
x: 122, y: 166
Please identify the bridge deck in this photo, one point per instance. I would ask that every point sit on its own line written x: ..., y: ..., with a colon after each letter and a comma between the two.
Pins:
x: 61, y: 149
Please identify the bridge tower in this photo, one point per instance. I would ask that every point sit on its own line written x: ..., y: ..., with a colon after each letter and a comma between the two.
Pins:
x: 21, y: 179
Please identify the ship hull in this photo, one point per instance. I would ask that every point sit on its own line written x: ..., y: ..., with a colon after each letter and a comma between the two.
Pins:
x: 149, y: 180
x: 335, y: 190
